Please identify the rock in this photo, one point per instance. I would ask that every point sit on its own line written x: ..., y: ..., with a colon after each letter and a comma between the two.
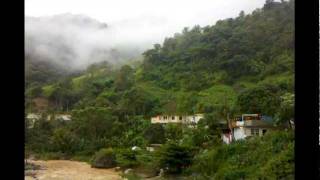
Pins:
x: 104, y: 158
x: 135, y: 148
x: 117, y: 168
x: 127, y: 171
x: 161, y: 173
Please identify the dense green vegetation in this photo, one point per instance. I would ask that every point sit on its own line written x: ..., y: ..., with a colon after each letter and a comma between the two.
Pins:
x: 268, y: 157
x: 239, y: 65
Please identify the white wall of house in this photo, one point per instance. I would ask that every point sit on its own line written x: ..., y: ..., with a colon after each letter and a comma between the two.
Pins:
x: 226, y: 138
x: 33, y: 116
x: 64, y: 117
x: 176, y: 119
x: 239, y: 133
x: 168, y: 119
x: 242, y: 132
x: 151, y: 149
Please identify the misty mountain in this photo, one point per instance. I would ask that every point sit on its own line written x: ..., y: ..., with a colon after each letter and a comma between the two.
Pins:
x: 74, y: 41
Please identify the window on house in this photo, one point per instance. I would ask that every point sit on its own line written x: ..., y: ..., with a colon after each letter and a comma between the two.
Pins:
x: 254, y: 132
x: 180, y: 117
x: 257, y: 132
x: 172, y: 117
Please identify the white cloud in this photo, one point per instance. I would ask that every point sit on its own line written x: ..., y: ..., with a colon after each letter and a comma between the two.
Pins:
x: 131, y: 23
x: 175, y: 14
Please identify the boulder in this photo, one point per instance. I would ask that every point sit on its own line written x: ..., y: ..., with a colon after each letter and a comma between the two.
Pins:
x: 105, y: 158
x: 161, y: 173
x: 127, y: 171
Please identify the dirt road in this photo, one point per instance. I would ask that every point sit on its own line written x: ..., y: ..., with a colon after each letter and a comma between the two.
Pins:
x: 70, y: 170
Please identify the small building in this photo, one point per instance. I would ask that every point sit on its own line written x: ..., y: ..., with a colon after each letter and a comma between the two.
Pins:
x: 63, y: 117
x: 153, y: 147
x: 250, y: 125
x: 184, y: 119
x: 32, y: 118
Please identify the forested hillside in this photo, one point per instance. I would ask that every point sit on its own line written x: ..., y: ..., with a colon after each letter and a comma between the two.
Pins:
x: 250, y: 51
x: 238, y: 65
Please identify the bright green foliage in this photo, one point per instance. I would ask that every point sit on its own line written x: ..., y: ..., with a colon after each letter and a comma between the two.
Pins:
x: 262, y: 99
x: 48, y: 90
x: 254, y: 45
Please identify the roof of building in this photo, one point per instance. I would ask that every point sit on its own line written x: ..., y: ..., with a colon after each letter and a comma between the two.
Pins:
x: 264, y: 121
x: 33, y: 116
x: 197, y: 114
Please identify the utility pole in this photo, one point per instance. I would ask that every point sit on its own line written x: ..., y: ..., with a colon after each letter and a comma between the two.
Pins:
x: 225, y: 108
x: 228, y: 118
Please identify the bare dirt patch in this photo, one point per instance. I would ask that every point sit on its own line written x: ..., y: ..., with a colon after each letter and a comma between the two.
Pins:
x: 70, y: 170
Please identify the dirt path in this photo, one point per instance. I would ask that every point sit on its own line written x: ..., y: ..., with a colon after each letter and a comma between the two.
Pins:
x: 71, y: 170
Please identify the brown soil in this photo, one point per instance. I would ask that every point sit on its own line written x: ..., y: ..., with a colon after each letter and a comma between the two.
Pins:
x: 70, y: 170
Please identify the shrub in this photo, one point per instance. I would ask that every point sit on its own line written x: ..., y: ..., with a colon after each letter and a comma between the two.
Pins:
x: 126, y: 158
x: 267, y: 157
x: 155, y: 133
x: 280, y: 166
x: 63, y: 140
x: 174, y: 157
x: 147, y: 163
x: 173, y: 131
x: 105, y: 158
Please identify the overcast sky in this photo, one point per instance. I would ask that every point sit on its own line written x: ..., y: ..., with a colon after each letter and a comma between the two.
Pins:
x: 158, y: 17
x: 134, y: 24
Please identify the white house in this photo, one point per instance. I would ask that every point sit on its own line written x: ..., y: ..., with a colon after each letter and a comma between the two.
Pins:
x: 32, y: 117
x: 64, y: 117
x: 250, y: 125
x: 184, y: 119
